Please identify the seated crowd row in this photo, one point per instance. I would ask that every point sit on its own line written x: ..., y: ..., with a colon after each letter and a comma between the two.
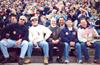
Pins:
x: 61, y: 36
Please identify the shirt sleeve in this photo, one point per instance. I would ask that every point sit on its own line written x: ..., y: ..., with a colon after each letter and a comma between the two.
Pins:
x: 30, y: 35
x: 47, y: 32
x: 80, y: 38
x: 25, y: 34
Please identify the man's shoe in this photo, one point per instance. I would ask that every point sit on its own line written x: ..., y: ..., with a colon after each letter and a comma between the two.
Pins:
x: 5, y: 60
x: 45, y: 60
x: 28, y: 60
x: 66, y: 61
x: 21, y: 61
x: 59, y: 60
x: 97, y: 61
x: 80, y: 62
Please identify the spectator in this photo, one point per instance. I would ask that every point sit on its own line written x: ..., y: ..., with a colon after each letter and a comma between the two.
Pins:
x: 86, y: 36
x: 69, y: 37
x: 37, y: 39
x: 18, y: 36
x: 61, y: 22
x: 55, y: 41
x: 59, y: 9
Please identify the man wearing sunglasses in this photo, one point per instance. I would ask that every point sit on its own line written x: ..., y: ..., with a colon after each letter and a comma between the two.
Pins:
x: 17, y: 37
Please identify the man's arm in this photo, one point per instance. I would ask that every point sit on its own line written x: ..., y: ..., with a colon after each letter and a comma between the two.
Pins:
x: 47, y: 32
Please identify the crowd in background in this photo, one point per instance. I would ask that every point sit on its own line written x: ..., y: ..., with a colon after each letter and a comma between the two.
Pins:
x: 46, y: 9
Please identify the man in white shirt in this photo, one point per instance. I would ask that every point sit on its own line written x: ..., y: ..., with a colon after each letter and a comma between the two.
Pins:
x: 86, y: 36
x: 38, y: 34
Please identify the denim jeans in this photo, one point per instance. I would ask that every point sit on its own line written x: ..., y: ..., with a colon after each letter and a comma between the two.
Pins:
x: 43, y: 44
x: 8, y: 43
x: 98, y: 31
x: 85, y: 51
x: 60, y: 47
x: 78, y: 50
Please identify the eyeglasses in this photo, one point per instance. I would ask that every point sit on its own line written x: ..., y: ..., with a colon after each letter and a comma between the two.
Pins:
x: 34, y: 19
x: 22, y: 19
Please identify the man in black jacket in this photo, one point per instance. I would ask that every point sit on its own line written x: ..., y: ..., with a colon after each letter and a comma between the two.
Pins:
x: 17, y: 36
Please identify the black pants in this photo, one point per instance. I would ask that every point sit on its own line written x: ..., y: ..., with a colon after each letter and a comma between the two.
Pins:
x: 60, y: 47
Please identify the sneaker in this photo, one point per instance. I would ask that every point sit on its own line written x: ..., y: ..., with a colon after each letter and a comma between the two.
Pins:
x: 21, y: 61
x: 5, y: 60
x: 45, y: 60
x: 80, y: 62
x: 59, y: 60
x: 28, y: 60
x: 66, y: 61
x: 97, y: 61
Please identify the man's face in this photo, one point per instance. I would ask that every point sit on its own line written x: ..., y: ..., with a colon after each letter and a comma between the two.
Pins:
x: 21, y: 21
x: 53, y: 23
x: 83, y: 23
x: 69, y: 23
x: 61, y: 21
x: 13, y: 19
x: 34, y: 22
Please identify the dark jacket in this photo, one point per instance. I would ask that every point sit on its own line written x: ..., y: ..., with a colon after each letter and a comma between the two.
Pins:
x: 55, y: 33
x: 15, y: 32
x: 68, y: 36
x: 97, y: 23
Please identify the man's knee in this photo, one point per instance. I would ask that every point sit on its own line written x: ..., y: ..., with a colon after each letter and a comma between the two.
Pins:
x: 78, y: 45
x: 25, y: 43
x: 2, y: 42
x: 66, y: 44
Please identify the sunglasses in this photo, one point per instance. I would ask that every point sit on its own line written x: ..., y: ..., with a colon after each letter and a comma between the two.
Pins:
x: 22, y: 19
x: 34, y: 19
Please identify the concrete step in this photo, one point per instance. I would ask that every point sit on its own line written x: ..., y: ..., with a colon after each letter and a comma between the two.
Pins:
x: 50, y: 64
x: 39, y: 59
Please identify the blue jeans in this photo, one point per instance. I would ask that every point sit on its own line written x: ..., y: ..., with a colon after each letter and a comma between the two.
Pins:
x: 85, y: 51
x: 98, y: 31
x: 43, y: 44
x: 8, y: 43
x: 78, y: 50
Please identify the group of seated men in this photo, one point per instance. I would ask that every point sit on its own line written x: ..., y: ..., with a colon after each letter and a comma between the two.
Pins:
x: 63, y: 37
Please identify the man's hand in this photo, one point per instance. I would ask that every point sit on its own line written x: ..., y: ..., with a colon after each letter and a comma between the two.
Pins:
x: 72, y: 43
x: 35, y: 44
x: 88, y: 43
x: 18, y: 42
x: 55, y: 41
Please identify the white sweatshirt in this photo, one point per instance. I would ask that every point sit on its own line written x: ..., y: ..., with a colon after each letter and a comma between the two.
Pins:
x: 87, y: 34
x: 36, y: 34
